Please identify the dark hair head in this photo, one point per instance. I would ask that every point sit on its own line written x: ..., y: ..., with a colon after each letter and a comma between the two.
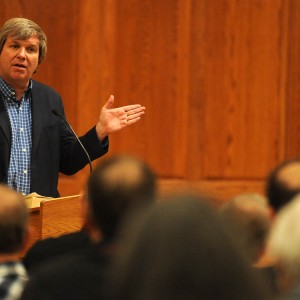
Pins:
x: 117, y: 185
x: 283, y: 183
x: 178, y: 249
x: 22, y: 29
x: 13, y: 220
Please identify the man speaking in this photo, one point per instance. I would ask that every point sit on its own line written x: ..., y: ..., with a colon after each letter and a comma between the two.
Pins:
x: 35, y: 143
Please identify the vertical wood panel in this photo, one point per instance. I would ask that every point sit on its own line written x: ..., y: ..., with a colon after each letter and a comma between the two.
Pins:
x: 151, y: 60
x: 293, y: 83
x: 239, y: 76
x: 94, y: 60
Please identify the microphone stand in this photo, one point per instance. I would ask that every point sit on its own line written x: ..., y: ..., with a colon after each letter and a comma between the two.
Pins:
x: 55, y: 112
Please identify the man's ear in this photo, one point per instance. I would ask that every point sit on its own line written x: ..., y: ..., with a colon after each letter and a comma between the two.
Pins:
x: 85, y: 211
x: 26, y: 238
x: 94, y: 234
x: 84, y: 208
x: 272, y: 214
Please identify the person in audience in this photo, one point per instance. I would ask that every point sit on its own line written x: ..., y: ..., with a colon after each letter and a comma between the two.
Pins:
x: 179, y: 249
x: 283, y: 183
x: 13, y: 234
x: 248, y: 218
x: 117, y: 185
x: 284, y: 246
x: 52, y: 247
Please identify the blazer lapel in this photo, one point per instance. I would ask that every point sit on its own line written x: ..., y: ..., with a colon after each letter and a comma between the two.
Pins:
x: 38, y: 117
x: 4, y: 122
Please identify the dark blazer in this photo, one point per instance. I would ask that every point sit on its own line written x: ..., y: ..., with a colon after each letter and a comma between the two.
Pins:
x: 51, y: 248
x: 54, y: 148
x: 81, y: 275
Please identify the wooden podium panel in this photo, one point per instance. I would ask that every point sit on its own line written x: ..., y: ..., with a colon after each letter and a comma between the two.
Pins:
x: 59, y: 216
x: 52, y: 217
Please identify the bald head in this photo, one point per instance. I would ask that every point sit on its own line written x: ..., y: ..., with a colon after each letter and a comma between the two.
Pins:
x: 283, y: 183
x: 13, y: 220
x: 126, y: 172
x: 289, y: 175
x: 252, y: 204
x: 118, y: 184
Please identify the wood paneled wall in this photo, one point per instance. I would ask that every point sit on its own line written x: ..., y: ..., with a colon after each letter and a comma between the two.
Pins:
x: 219, y: 79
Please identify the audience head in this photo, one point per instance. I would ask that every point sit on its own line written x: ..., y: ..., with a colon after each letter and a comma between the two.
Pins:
x: 13, y: 221
x: 248, y: 219
x: 178, y: 249
x: 118, y: 184
x: 283, y: 183
x: 284, y: 242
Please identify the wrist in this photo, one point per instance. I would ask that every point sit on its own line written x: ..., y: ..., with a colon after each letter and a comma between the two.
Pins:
x: 101, y: 132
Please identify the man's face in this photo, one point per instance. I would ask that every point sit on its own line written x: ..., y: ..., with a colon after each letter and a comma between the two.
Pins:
x: 19, y: 60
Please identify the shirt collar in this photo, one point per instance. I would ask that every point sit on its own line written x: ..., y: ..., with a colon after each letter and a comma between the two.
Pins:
x: 7, y: 91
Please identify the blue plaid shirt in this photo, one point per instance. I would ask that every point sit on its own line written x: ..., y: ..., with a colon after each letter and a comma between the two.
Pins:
x: 19, y: 113
x: 13, y: 278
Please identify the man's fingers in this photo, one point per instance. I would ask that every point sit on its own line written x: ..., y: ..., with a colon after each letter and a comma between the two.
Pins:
x: 140, y: 110
x: 132, y: 115
x: 133, y: 107
x: 129, y: 122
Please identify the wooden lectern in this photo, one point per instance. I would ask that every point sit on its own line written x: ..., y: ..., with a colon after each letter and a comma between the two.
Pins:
x: 52, y: 217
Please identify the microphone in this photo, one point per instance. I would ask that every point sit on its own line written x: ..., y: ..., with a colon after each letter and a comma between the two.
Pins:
x: 55, y: 112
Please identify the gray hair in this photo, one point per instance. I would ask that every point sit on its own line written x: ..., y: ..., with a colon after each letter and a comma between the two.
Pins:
x: 21, y: 28
x: 248, y: 219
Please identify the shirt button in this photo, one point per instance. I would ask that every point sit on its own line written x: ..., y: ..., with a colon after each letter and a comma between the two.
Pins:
x: 25, y: 171
x: 24, y: 150
x: 21, y: 129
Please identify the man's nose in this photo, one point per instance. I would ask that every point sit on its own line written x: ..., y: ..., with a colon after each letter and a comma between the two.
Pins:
x: 22, y: 53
